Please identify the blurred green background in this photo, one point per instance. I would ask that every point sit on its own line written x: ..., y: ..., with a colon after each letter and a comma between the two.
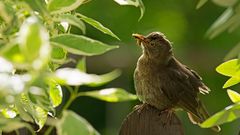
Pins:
x: 185, y: 27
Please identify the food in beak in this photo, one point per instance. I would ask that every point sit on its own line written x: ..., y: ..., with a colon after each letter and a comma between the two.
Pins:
x: 140, y: 38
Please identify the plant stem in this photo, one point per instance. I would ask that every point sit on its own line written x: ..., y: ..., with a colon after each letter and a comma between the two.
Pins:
x: 73, y: 96
x: 49, y: 130
x: 69, y: 102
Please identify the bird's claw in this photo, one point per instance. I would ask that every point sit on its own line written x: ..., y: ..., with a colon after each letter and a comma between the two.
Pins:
x: 140, y: 108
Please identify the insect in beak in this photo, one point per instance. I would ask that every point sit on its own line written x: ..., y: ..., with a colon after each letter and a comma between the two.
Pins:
x: 140, y: 38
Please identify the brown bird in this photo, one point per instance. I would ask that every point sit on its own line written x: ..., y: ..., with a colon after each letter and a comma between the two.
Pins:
x: 165, y: 83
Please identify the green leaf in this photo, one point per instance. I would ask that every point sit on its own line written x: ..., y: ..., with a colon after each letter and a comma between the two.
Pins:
x: 71, y: 19
x: 58, y: 54
x: 8, y: 125
x: 11, y: 86
x: 127, y: 2
x: 38, y: 5
x: 23, y: 113
x: 38, y: 114
x: 6, y: 66
x: 136, y: 3
x: 232, y: 81
x: 75, y: 77
x: 72, y: 124
x: 12, y: 53
x: 142, y: 9
x: 97, y: 25
x: 229, y: 68
x: 81, y: 45
x: 55, y: 93
x: 225, y: 3
x: 34, y: 42
x: 81, y: 65
x: 9, y: 112
x: 222, y: 23
x: 234, y: 96
x: 229, y: 114
x: 61, y: 6
x: 40, y: 96
x: 235, y: 23
x: 110, y: 95
x: 6, y: 12
x: 233, y: 53
x: 201, y: 3
x: 30, y: 40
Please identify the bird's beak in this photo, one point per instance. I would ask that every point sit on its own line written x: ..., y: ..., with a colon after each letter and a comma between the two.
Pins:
x: 140, y: 38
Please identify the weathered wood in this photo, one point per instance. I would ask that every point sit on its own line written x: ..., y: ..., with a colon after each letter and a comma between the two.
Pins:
x: 147, y: 120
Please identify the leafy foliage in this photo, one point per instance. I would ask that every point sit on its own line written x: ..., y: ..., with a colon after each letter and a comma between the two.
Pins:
x: 109, y: 95
x: 77, y: 44
x: 136, y: 3
x: 228, y: 21
x: 36, y: 39
x: 71, y: 123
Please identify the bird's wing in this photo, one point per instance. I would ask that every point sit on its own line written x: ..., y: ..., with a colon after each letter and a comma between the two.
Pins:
x: 178, y: 88
x: 196, y: 80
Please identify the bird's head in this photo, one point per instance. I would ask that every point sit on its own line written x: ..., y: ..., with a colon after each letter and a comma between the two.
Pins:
x: 154, y: 45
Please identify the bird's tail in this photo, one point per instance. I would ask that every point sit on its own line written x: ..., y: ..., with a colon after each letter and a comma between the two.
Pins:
x: 201, y: 117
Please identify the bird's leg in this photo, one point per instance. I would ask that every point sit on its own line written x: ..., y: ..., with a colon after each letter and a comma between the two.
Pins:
x: 168, y: 119
x: 139, y: 108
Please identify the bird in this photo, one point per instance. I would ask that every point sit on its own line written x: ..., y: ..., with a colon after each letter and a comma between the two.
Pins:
x: 165, y: 83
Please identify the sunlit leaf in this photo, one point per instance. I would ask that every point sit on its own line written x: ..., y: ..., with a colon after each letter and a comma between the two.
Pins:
x: 229, y: 68
x: 30, y: 41
x: 71, y: 76
x: 61, y: 6
x: 34, y: 42
x: 39, y: 96
x: 232, y: 81
x: 38, y: 114
x: 127, y: 2
x: 72, y: 124
x: 234, y: 96
x: 97, y: 25
x: 55, y: 93
x: 142, y: 9
x: 24, y: 115
x: 8, y: 112
x: 6, y: 66
x: 81, y: 45
x: 201, y: 3
x: 222, y: 23
x: 225, y: 3
x: 136, y: 3
x: 110, y: 95
x: 58, y: 54
x: 229, y: 114
x: 12, y: 85
x: 81, y: 65
x: 71, y: 19
x: 12, y: 53
x: 233, y: 53
x: 40, y: 117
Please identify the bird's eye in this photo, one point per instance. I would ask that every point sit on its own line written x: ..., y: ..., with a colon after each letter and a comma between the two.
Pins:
x: 154, y: 38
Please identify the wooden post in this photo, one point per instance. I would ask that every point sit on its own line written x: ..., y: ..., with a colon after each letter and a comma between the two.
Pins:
x: 147, y: 120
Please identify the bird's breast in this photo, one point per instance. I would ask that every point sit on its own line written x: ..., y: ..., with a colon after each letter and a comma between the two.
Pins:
x: 148, y: 87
